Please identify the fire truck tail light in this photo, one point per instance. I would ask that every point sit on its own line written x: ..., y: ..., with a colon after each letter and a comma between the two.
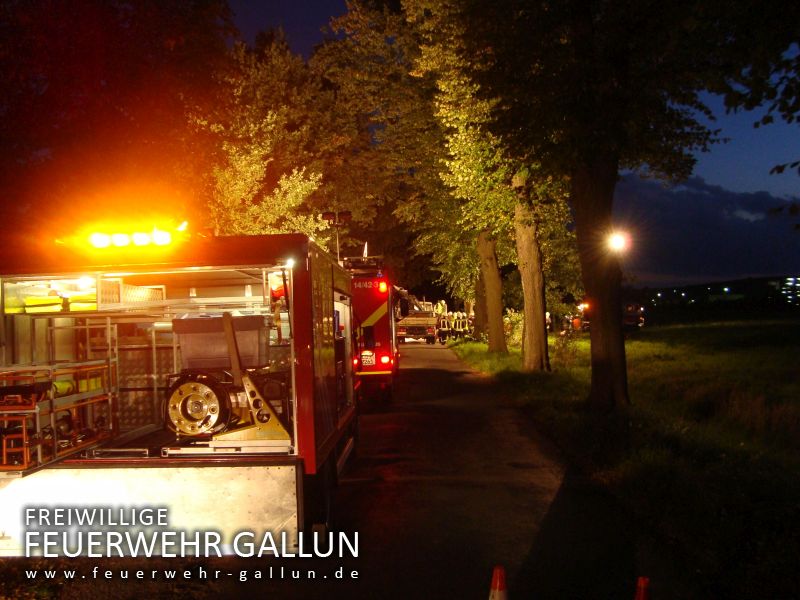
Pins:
x: 383, y: 287
x: 355, y: 362
x: 385, y: 359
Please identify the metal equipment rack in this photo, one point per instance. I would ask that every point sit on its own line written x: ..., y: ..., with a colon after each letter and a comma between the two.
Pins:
x: 48, y: 412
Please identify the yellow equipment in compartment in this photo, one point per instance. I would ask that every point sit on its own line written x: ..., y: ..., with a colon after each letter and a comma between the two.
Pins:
x: 264, y: 422
x: 200, y: 405
x: 264, y: 425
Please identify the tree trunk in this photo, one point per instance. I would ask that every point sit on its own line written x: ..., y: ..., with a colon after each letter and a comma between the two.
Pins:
x: 481, y: 327
x: 592, y: 199
x: 529, y: 257
x: 494, y: 292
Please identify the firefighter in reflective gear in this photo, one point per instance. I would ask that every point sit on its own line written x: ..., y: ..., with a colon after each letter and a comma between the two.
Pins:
x: 459, y: 325
x: 442, y: 328
x: 451, y: 319
x: 464, y: 325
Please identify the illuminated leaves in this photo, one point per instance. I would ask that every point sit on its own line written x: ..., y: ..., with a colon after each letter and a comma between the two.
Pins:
x: 264, y: 124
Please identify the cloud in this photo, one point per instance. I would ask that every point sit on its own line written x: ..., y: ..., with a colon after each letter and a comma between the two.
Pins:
x: 746, y: 215
x: 696, y: 232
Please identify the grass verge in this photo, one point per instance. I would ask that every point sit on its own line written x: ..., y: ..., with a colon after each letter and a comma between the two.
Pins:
x: 712, y: 460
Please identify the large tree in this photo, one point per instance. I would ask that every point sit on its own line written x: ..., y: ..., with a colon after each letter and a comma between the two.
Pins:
x: 590, y: 87
x: 504, y: 196
x: 545, y: 257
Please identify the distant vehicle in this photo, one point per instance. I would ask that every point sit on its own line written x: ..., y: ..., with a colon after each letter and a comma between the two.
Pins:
x: 414, y: 320
x: 632, y: 316
x: 417, y: 325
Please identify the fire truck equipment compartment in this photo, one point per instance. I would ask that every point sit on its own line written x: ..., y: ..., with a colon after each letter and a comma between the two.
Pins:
x: 203, y: 344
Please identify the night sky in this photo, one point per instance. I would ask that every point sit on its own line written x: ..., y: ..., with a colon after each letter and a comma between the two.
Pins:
x: 718, y: 225
x: 302, y: 20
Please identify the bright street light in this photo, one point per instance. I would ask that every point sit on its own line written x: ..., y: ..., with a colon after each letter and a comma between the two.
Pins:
x: 618, y: 241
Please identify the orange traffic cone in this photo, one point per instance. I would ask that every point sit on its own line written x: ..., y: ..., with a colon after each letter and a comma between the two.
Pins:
x: 498, y: 591
x: 642, y: 588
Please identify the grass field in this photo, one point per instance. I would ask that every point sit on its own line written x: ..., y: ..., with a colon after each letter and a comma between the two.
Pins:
x: 712, y: 462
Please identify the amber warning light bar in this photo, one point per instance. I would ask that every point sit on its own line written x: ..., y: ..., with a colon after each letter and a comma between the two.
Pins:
x: 107, y: 237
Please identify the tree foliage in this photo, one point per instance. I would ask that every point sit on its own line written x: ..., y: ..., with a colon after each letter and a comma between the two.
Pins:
x: 264, y: 127
x: 370, y: 62
x: 366, y: 77
x: 767, y: 73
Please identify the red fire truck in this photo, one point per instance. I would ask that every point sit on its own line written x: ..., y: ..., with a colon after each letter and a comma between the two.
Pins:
x: 211, y: 376
x: 377, y: 358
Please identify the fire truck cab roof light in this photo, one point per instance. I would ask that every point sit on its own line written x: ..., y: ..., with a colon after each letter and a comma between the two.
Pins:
x: 120, y: 239
x: 157, y: 237
x: 100, y: 240
x: 161, y: 238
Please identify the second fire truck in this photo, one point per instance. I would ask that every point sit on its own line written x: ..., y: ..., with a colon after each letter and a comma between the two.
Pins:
x: 377, y: 358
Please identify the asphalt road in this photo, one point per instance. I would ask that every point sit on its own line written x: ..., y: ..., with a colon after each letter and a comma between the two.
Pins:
x: 449, y: 481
